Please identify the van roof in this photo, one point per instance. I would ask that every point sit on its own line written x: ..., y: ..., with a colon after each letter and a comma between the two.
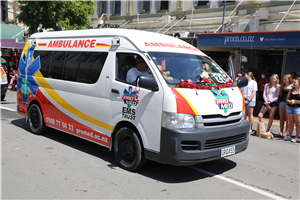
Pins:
x: 143, y: 40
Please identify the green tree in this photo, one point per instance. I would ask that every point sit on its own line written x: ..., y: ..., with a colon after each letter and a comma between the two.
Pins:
x: 59, y: 15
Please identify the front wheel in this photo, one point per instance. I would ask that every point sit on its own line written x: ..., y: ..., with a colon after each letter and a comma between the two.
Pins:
x: 35, y: 120
x: 128, y: 150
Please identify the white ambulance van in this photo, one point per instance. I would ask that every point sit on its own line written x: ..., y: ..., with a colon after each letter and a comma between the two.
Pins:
x: 181, y: 109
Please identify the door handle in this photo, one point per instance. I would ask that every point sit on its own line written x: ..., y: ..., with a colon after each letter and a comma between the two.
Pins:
x: 115, y: 91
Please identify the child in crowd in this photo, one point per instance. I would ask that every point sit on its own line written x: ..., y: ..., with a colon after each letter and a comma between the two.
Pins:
x: 270, y: 95
x: 13, y: 80
x: 249, y: 93
x: 293, y: 110
x: 284, y: 90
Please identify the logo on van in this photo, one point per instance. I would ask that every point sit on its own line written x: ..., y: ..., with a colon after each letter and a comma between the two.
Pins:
x: 28, y: 69
x: 129, y: 97
x: 222, y: 100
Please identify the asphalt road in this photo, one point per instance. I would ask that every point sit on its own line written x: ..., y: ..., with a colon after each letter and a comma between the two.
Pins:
x: 61, y: 166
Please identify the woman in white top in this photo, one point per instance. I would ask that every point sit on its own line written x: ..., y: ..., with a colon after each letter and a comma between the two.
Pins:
x: 271, y: 93
x: 249, y: 93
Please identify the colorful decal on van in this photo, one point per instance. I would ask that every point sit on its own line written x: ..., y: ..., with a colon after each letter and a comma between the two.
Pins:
x: 2, y: 72
x: 183, y: 103
x: 31, y: 79
x: 27, y: 69
x: 222, y: 100
x: 129, y: 97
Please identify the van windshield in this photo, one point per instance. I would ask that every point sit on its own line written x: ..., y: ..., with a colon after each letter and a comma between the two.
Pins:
x: 178, y: 67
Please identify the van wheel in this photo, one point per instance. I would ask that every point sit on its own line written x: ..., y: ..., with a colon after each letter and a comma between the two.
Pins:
x: 2, y: 97
x: 128, y: 150
x: 35, y: 120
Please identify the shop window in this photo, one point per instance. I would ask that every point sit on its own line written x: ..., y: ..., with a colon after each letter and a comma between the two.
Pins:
x: 293, y: 63
x: 70, y: 69
x: 164, y: 4
x: 260, y: 60
x: 103, y: 7
x: 117, y: 8
x: 228, y: 3
x: 145, y: 6
x: 56, y: 68
x: 202, y: 3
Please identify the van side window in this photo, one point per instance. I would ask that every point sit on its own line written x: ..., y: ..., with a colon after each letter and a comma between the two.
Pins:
x: 45, y: 60
x: 125, y: 62
x: 72, y: 62
x: 56, y: 68
x: 83, y: 73
x: 98, y: 61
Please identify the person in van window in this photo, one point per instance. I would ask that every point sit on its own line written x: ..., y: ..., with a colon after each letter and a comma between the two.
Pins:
x: 141, y: 68
x: 270, y: 95
x: 249, y: 93
x: 293, y: 110
x: 286, y: 86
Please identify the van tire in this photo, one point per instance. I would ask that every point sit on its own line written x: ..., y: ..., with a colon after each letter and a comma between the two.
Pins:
x: 35, y: 120
x: 128, y: 150
x: 2, y: 97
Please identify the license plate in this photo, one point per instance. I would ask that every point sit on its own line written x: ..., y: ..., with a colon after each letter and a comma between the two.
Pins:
x: 228, y: 151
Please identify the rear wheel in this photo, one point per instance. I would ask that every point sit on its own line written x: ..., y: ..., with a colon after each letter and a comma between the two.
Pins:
x: 2, y: 97
x: 128, y: 150
x: 35, y: 120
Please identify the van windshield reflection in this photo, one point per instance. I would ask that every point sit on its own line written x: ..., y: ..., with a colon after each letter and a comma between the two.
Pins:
x: 178, y: 67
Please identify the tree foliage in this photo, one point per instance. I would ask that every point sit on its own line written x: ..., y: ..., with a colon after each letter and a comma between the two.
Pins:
x: 59, y: 15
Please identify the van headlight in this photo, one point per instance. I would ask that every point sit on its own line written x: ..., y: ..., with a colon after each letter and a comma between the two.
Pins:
x: 175, y: 120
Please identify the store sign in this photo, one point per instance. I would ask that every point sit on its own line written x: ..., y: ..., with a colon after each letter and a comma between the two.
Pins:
x: 12, y: 43
x: 287, y: 38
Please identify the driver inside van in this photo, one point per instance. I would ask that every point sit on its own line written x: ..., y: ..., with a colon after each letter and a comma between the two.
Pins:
x: 141, y: 68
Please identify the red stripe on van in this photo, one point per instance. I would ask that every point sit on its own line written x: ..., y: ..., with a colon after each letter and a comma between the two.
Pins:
x: 182, y: 105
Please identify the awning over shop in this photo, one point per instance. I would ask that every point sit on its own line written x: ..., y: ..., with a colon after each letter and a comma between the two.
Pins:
x: 9, y: 30
x: 250, y: 39
x: 12, y: 44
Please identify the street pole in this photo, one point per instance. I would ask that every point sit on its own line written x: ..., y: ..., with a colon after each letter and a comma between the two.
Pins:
x: 223, y: 16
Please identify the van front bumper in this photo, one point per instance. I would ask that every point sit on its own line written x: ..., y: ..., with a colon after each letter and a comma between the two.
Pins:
x: 189, y: 147
x: 4, y: 88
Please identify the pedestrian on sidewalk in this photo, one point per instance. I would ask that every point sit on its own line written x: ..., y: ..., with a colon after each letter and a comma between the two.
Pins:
x: 264, y: 79
x: 286, y: 86
x: 293, y: 110
x: 249, y: 93
x: 271, y: 93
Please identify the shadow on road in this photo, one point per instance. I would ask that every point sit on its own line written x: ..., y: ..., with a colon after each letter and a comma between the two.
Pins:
x: 153, y: 170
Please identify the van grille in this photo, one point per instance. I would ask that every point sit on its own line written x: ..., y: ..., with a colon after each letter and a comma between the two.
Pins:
x: 221, y: 123
x: 190, y: 145
x: 223, y: 142
x: 219, y: 116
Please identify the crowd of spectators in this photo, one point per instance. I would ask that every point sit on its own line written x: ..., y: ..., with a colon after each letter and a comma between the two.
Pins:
x: 272, y: 95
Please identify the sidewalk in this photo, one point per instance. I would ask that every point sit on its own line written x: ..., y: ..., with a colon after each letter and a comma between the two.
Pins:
x: 275, y: 128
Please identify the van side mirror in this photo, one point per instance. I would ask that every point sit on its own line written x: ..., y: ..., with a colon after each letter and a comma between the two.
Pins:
x: 147, y: 82
x: 242, y: 82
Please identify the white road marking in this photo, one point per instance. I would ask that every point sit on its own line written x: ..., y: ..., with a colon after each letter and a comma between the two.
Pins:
x: 8, y: 109
x: 237, y: 183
